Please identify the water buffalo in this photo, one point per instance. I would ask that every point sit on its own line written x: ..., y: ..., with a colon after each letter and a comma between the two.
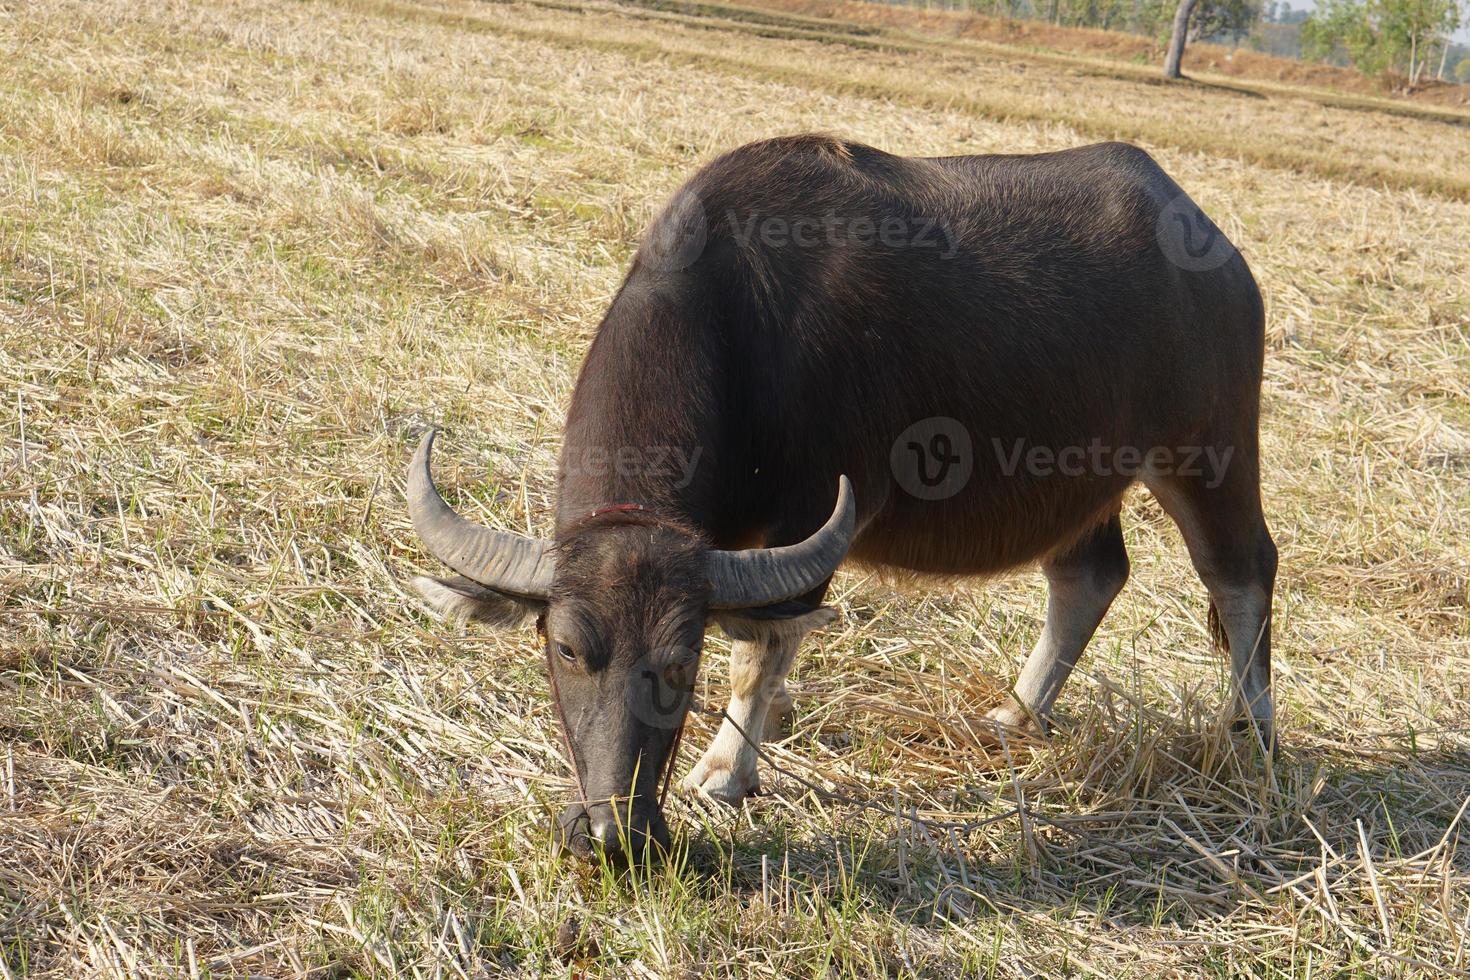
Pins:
x: 950, y: 366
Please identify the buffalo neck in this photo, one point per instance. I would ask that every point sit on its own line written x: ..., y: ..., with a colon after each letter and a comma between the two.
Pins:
x: 645, y: 423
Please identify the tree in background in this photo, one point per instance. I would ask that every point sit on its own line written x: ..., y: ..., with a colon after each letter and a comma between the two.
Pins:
x: 1211, y: 18
x: 1219, y: 18
x: 1343, y: 30
x: 1377, y: 36
x: 1408, y: 37
x: 1175, y: 55
x: 1197, y: 19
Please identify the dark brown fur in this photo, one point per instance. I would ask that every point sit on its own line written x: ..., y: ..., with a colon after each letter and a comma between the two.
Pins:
x: 1058, y: 321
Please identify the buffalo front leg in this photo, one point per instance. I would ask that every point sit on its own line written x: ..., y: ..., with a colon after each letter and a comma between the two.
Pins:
x: 1081, y: 583
x: 760, y: 659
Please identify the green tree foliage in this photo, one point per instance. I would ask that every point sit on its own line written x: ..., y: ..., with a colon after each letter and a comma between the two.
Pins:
x: 1342, y: 30
x: 1376, y: 36
x: 1221, y: 18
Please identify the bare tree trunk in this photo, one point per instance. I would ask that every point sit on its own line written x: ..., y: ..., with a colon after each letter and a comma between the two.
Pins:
x: 1444, y: 52
x: 1176, y: 39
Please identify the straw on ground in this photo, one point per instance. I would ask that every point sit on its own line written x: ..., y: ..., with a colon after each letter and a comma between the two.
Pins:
x: 248, y: 249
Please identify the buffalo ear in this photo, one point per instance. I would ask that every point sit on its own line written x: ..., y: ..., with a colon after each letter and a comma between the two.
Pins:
x: 461, y: 600
x: 787, y: 619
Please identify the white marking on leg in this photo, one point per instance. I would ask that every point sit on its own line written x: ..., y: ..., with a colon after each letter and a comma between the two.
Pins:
x: 727, y: 771
x: 1245, y: 615
x: 761, y: 657
x: 1075, y: 605
x: 1244, y: 609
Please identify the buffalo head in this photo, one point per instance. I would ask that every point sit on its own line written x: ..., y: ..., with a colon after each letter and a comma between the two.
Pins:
x: 621, y: 602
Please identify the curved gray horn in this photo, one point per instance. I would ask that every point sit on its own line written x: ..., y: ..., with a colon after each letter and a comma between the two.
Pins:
x: 766, y: 576
x: 496, y: 559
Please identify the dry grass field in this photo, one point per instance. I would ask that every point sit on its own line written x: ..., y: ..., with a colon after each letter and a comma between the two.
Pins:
x: 248, y: 249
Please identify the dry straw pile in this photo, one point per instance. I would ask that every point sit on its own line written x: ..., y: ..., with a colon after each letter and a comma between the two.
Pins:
x: 247, y: 249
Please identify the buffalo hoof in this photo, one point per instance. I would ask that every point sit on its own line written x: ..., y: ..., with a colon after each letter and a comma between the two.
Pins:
x: 1010, y: 718
x: 1260, y: 734
x: 714, y: 777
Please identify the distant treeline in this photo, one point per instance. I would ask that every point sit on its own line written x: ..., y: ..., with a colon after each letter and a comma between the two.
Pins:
x: 1407, y: 38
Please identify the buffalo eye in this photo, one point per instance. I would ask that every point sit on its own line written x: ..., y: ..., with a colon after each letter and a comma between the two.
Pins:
x: 566, y: 653
x: 679, y: 674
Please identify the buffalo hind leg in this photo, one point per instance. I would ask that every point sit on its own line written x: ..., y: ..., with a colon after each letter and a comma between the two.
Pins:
x: 761, y: 657
x: 1233, y: 553
x: 1081, y: 584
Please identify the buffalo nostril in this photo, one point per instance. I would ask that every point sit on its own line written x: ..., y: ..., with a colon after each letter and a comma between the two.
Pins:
x: 572, y: 830
x: 626, y: 835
